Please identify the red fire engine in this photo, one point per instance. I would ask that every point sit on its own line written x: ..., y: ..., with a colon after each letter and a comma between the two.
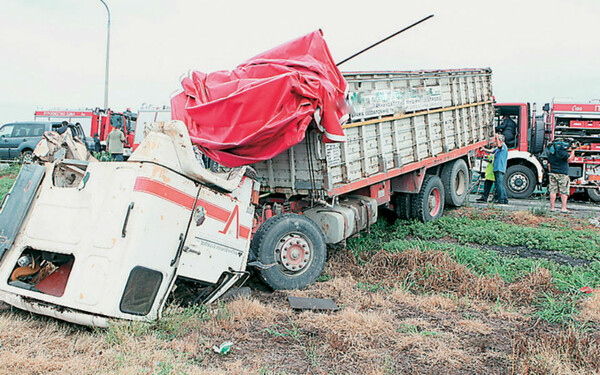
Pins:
x: 96, y: 121
x: 575, y: 123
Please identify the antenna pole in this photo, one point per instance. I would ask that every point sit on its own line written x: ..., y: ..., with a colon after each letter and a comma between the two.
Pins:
x: 384, y: 39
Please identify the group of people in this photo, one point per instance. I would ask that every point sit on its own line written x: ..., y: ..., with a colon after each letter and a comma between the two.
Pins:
x: 495, y: 171
x: 558, y: 161
x: 114, y: 144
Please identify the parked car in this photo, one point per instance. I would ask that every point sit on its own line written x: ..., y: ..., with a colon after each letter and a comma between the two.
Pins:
x: 18, y: 139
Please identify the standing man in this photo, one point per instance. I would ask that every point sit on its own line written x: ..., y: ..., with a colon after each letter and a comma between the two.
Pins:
x: 97, y: 145
x: 63, y: 127
x: 114, y: 143
x: 500, y: 159
x: 558, y: 160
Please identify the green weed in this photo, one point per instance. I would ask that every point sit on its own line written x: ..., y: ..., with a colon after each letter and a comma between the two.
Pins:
x: 465, y: 239
x: 294, y: 332
x: 120, y: 331
x: 370, y: 287
x: 7, y: 178
x: 413, y: 329
x: 560, y: 308
x: 542, y: 211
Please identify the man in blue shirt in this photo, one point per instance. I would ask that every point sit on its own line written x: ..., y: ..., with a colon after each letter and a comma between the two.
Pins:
x: 500, y: 159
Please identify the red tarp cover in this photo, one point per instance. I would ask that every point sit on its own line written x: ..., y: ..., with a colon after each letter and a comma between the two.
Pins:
x: 264, y: 106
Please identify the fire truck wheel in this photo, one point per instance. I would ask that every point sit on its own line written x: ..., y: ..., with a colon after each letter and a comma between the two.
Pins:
x: 455, y: 177
x: 428, y: 205
x: 402, y: 205
x: 295, y: 245
x: 594, y: 194
x: 519, y: 181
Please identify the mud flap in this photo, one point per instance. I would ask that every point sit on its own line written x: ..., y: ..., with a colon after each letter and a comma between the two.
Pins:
x: 17, y: 202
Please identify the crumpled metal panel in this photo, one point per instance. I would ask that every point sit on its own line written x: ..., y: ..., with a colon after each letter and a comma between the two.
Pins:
x: 17, y: 202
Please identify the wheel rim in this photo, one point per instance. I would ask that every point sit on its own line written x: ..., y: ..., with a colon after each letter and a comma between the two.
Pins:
x: 27, y: 158
x: 518, y: 182
x: 294, y: 253
x: 434, y: 202
x: 460, y: 183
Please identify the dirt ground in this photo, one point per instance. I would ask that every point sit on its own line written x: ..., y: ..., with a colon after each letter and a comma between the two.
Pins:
x: 417, y: 311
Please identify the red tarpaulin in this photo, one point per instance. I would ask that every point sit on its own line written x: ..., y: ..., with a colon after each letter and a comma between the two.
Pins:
x: 264, y: 106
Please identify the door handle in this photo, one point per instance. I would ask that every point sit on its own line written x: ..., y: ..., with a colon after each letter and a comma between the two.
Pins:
x: 124, y: 230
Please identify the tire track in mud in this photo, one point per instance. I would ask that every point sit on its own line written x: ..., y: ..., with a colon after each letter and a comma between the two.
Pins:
x: 526, y: 252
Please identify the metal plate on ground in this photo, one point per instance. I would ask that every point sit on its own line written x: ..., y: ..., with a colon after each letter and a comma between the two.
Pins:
x: 315, y: 304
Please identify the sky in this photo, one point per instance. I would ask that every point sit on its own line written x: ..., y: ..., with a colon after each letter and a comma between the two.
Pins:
x: 53, y: 52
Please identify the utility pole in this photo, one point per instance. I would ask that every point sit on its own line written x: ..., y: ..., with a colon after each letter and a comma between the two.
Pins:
x: 107, y: 51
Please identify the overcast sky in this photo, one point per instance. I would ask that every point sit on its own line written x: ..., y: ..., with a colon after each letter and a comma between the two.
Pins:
x: 53, y: 51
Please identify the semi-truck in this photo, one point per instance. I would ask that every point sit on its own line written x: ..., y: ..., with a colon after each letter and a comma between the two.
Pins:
x: 574, y: 122
x: 88, y: 241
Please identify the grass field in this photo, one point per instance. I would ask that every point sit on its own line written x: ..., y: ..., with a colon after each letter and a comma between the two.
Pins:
x: 7, y: 177
x: 476, y: 292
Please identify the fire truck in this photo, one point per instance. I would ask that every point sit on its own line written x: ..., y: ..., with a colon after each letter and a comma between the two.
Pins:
x: 96, y: 121
x: 572, y: 123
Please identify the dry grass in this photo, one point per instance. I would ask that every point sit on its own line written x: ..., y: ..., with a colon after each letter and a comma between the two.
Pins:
x: 590, y: 308
x: 410, y: 312
x: 558, y: 352
x: 527, y: 218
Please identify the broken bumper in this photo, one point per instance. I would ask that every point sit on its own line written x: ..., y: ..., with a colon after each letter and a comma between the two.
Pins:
x: 59, y: 312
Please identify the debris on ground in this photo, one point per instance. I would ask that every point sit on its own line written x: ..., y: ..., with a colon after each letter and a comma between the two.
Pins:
x: 314, y: 304
x: 224, y: 348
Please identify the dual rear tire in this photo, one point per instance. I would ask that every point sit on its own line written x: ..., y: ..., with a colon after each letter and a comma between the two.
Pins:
x: 450, y: 188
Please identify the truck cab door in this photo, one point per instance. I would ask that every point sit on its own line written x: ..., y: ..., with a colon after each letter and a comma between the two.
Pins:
x: 219, y: 236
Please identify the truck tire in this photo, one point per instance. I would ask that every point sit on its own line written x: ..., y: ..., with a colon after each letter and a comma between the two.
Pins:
x: 296, y: 246
x: 402, y: 205
x: 455, y: 177
x: 539, y: 135
x: 594, y: 194
x: 428, y: 204
x: 519, y: 181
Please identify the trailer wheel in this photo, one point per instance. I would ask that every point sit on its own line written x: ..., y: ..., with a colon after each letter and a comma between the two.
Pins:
x: 594, y: 194
x: 402, y: 205
x: 428, y: 204
x: 296, y: 246
x: 519, y: 181
x: 455, y: 177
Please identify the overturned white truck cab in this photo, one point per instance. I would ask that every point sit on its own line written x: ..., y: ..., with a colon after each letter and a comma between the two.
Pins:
x: 87, y: 241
